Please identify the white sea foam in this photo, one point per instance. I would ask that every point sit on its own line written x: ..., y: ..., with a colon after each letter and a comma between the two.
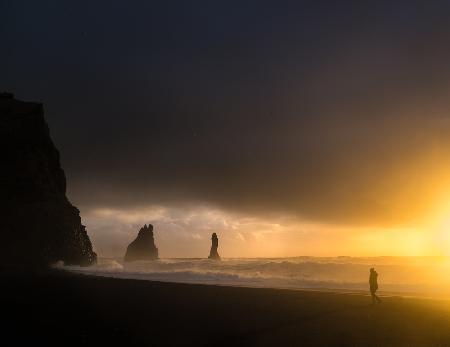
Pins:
x: 418, y: 275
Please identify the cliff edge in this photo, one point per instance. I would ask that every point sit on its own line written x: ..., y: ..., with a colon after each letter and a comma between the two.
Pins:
x: 38, y: 224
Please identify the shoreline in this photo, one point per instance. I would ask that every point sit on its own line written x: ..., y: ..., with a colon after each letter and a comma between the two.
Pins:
x: 60, y: 306
x: 381, y: 293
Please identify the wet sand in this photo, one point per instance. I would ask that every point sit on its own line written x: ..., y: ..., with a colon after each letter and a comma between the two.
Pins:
x: 59, y: 307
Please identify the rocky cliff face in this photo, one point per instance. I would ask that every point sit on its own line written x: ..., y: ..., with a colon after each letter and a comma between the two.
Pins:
x: 38, y: 224
x: 143, y: 247
x: 213, y: 254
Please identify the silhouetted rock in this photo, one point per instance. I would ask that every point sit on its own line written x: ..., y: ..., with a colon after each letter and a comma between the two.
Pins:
x: 38, y: 224
x: 214, y: 245
x: 143, y: 247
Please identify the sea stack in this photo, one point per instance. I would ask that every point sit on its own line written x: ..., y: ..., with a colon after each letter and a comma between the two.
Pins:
x: 214, y: 245
x: 38, y: 224
x: 143, y: 247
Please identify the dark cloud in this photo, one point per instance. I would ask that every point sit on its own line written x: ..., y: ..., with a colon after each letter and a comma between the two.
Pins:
x: 327, y: 110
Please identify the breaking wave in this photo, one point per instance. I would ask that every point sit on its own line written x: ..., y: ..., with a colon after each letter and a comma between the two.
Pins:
x: 408, y: 275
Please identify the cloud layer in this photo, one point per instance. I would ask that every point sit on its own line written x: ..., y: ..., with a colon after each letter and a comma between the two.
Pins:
x: 326, y: 112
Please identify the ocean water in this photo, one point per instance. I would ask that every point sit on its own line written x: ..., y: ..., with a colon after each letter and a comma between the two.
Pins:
x: 422, y: 276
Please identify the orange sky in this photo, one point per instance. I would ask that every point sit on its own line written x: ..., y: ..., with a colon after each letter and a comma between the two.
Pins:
x: 185, y: 232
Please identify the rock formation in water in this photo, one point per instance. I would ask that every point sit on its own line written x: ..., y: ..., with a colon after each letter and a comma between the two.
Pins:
x: 143, y: 247
x: 214, y: 245
x: 38, y: 224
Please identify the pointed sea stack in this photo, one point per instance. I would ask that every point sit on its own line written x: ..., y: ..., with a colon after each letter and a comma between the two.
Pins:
x: 38, y: 224
x: 214, y: 245
x: 143, y: 247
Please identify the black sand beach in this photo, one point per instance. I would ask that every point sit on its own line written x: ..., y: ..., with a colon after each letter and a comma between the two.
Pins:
x: 61, y: 308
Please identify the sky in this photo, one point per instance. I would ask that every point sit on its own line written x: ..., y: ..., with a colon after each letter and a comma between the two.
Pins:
x: 286, y: 127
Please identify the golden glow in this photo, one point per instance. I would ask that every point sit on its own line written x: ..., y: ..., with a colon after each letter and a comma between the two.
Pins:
x: 186, y: 233
x: 413, y: 195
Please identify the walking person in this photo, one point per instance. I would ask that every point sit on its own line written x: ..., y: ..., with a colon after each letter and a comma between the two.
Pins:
x: 373, y: 283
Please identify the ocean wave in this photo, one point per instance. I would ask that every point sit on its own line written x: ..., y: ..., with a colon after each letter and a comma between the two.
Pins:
x: 397, y: 274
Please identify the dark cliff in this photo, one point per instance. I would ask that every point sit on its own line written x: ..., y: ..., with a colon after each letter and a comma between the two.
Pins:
x: 38, y: 224
x: 143, y: 247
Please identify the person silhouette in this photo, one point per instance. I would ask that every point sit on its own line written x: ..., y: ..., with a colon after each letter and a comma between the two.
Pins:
x: 373, y: 283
